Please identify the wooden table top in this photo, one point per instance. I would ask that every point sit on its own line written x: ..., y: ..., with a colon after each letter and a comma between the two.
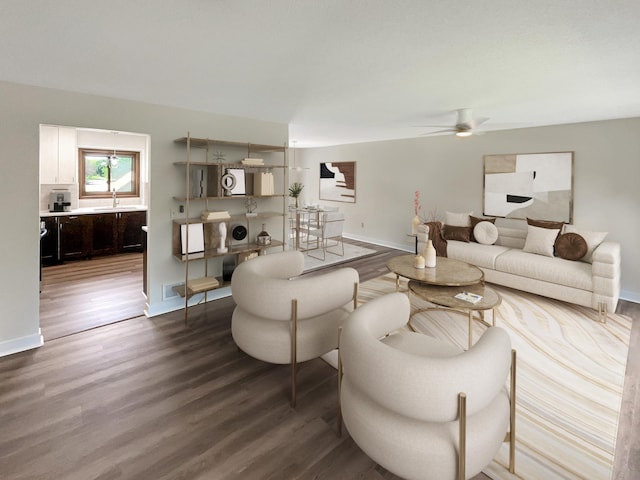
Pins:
x: 446, y: 296
x: 447, y: 272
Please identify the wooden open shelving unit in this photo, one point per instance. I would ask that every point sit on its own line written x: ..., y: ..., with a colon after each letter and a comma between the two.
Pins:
x: 212, y: 194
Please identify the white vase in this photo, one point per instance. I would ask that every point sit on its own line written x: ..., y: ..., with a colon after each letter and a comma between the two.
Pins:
x: 429, y: 255
x: 414, y: 225
x: 419, y: 261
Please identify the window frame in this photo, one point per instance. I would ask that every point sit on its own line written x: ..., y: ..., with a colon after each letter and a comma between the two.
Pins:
x: 135, y: 173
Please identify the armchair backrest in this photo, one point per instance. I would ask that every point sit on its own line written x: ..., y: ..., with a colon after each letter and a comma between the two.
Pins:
x: 419, y: 386
x: 266, y: 285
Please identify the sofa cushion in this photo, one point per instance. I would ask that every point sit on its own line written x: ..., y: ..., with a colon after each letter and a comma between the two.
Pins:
x: 461, y: 234
x: 548, y: 269
x: 593, y: 239
x: 545, y: 223
x: 570, y: 246
x: 475, y: 253
x: 485, y: 233
x: 540, y: 240
x: 458, y: 219
x: 477, y: 220
x: 511, y: 237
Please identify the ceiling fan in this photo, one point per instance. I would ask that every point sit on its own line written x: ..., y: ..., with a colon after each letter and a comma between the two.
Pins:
x: 465, y: 125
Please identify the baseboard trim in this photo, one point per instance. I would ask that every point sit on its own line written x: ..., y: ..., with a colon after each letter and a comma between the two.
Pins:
x: 373, y: 241
x: 17, y: 345
x: 174, y: 304
x: 630, y: 296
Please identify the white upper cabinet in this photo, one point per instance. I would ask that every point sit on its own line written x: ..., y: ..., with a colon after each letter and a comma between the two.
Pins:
x: 58, y: 155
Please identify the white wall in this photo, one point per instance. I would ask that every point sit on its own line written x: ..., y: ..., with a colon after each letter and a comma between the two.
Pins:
x: 448, y: 173
x: 22, y: 110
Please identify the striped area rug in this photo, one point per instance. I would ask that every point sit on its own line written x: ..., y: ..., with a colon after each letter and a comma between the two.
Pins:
x: 569, y: 382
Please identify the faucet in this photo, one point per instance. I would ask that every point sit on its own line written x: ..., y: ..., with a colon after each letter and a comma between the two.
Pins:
x: 114, y: 197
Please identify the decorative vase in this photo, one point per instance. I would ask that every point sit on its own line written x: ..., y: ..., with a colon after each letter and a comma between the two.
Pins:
x: 419, y: 261
x: 414, y: 225
x: 263, y: 237
x: 430, y: 255
x: 222, y: 230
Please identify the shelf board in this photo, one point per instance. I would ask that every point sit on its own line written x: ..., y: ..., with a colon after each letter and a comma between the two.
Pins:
x: 201, y: 288
x: 228, y: 197
x: 231, y: 218
x: 266, y: 166
x: 251, y: 147
x: 232, y: 250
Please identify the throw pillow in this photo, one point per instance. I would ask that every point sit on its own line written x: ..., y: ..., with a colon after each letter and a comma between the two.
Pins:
x: 458, y: 219
x: 593, y: 239
x: 475, y: 221
x: 570, y: 246
x: 485, y: 233
x: 461, y: 234
x: 545, y: 223
x: 540, y: 240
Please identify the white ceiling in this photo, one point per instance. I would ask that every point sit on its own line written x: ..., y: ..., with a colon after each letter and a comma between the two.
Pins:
x: 338, y: 71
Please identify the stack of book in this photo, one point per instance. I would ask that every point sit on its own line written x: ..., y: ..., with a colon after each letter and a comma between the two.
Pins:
x: 202, y: 284
x: 469, y: 297
x: 263, y: 183
x: 214, y: 215
x: 253, y: 162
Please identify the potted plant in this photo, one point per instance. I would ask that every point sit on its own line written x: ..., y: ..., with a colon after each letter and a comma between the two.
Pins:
x: 294, y: 191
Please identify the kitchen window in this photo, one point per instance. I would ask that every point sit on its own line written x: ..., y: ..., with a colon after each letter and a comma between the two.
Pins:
x: 103, y: 171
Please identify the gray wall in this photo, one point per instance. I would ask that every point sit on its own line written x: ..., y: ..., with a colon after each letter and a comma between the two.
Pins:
x: 22, y: 109
x: 448, y: 173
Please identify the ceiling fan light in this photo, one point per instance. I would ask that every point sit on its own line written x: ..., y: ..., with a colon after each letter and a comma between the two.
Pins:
x: 464, y: 133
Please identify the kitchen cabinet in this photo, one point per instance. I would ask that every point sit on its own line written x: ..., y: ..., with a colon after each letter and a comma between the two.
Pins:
x: 104, y: 233
x: 74, y: 237
x: 49, y: 243
x: 130, y: 231
x: 58, y: 155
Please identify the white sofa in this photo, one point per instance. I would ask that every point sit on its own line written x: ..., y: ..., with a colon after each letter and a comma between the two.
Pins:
x: 595, y: 285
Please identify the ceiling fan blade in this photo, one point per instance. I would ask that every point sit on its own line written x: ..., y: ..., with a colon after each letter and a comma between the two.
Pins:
x: 478, y: 121
x: 433, y: 126
x: 448, y: 130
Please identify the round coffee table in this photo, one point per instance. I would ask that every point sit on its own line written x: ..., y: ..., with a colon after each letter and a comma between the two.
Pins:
x: 445, y: 298
x: 447, y: 272
x: 439, y: 285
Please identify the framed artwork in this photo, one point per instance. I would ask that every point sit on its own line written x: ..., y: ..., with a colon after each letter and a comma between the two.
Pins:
x: 338, y: 181
x: 534, y: 185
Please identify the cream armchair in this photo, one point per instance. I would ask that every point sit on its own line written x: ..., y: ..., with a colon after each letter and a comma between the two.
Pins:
x: 420, y: 407
x: 286, y: 319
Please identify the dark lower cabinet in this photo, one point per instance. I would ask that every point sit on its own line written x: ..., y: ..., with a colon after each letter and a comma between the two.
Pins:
x: 73, y: 237
x: 130, y: 231
x: 104, y: 233
x: 49, y: 243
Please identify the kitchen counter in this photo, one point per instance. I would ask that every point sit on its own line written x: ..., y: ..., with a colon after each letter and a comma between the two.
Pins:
x: 92, y: 210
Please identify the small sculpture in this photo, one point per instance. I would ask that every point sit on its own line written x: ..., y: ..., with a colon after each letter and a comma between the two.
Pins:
x: 222, y: 230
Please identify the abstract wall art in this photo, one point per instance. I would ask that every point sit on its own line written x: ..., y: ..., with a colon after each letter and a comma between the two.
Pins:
x: 534, y: 185
x: 338, y: 181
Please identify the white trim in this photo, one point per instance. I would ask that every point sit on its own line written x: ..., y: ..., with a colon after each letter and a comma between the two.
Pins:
x: 21, y: 344
x: 374, y: 241
x: 177, y: 303
x: 630, y: 296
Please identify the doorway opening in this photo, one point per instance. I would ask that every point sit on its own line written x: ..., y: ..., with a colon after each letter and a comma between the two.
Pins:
x: 92, y: 260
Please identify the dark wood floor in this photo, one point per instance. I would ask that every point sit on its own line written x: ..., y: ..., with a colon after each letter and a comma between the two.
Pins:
x: 153, y: 398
